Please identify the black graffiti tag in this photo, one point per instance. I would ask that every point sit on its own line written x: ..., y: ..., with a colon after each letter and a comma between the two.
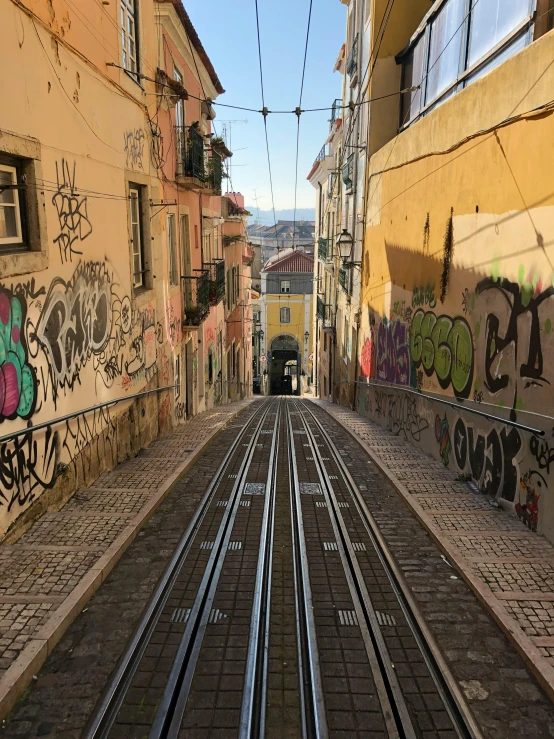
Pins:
x: 72, y: 212
x: 134, y: 147
x: 542, y: 453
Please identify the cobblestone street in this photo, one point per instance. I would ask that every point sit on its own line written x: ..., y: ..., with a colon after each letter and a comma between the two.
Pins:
x: 485, y: 624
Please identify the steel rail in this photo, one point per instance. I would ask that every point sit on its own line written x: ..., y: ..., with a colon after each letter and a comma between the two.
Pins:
x: 167, y: 722
x: 252, y: 719
x: 393, y: 706
x: 445, y: 683
x: 114, y: 696
x: 314, y: 704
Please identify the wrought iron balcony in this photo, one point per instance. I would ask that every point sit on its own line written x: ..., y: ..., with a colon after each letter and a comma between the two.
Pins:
x: 321, y: 309
x: 336, y: 110
x: 343, y: 279
x: 323, y: 248
x: 214, y: 171
x: 348, y: 171
x: 196, y: 294
x: 216, y: 281
x: 190, y: 153
x: 352, y: 63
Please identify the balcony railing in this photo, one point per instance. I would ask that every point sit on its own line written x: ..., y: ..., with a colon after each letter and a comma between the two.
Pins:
x: 336, y: 110
x: 323, y: 248
x: 196, y: 293
x: 343, y: 279
x: 216, y: 281
x: 352, y: 63
x: 348, y: 171
x: 247, y: 253
x: 321, y: 309
x: 214, y: 170
x: 190, y: 152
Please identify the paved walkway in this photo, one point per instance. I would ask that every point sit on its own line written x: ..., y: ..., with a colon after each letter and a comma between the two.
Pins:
x: 510, y: 569
x: 51, y: 572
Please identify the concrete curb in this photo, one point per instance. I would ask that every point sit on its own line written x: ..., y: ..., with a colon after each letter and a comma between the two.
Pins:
x: 540, y: 668
x: 19, y: 675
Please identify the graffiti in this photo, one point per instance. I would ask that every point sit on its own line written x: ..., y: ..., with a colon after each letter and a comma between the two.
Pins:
x: 18, y: 385
x: 543, y: 454
x: 491, y: 458
x: 90, y: 440
x: 173, y: 325
x: 399, y: 308
x: 72, y: 212
x: 401, y: 414
x: 393, y: 360
x: 134, y: 148
x: 159, y: 333
x: 442, y: 435
x: 165, y: 409
x: 468, y: 301
x: 210, y: 336
x: 444, y: 347
x: 367, y: 359
x: 28, y: 467
x: 530, y: 483
x: 28, y: 290
x: 424, y: 296
x: 478, y: 396
x: 513, y: 354
x: 180, y: 411
x: 75, y: 322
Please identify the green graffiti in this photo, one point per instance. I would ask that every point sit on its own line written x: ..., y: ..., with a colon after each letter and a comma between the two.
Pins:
x: 548, y: 326
x: 444, y: 346
x: 521, y: 274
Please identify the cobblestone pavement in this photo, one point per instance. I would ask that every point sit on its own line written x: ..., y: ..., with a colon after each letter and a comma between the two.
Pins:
x: 504, y: 697
x: 514, y: 566
x: 49, y: 561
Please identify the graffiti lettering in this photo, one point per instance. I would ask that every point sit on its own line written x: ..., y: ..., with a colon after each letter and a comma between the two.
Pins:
x: 491, y: 459
x: 443, y: 346
x: 442, y: 435
x: 424, y: 296
x: 543, y: 454
x: 75, y: 322
x: 401, y: 414
x: 72, y: 212
x: 367, y: 359
x: 180, y: 411
x: 18, y: 385
x: 28, y: 467
x: 393, y: 360
x: 134, y: 148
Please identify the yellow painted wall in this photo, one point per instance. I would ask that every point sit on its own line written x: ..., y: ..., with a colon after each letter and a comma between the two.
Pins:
x: 458, y: 296
x: 298, y: 324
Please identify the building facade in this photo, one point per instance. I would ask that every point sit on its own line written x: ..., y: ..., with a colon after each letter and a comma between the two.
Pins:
x: 110, y: 185
x: 456, y: 304
x: 286, y: 317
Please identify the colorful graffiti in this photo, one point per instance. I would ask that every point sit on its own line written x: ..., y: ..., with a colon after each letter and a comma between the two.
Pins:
x: 443, y: 346
x: 442, y: 435
x: 17, y: 378
x: 393, y: 359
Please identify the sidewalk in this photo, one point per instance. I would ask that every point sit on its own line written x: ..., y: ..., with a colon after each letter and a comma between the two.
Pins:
x: 509, y: 568
x: 52, y: 571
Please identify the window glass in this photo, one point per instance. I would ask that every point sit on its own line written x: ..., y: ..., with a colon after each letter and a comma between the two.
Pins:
x: 138, y: 274
x: 10, y: 219
x: 412, y: 77
x: 491, y: 21
x: 285, y: 286
x: 519, y: 43
x: 172, y: 249
x: 445, y: 48
x: 128, y: 35
x: 285, y: 315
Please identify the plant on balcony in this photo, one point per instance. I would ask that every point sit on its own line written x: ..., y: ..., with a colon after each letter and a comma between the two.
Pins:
x: 228, y: 239
x: 193, y: 315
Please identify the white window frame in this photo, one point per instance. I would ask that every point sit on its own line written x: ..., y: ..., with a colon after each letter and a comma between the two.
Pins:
x: 18, y: 238
x: 172, y: 250
x: 284, y: 314
x: 177, y: 376
x: 285, y: 286
x: 137, y: 249
x: 128, y: 31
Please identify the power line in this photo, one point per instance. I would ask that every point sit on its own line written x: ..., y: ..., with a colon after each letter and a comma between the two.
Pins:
x: 298, y: 114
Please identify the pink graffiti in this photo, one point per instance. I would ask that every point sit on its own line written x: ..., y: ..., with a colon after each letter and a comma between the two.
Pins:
x: 393, y: 359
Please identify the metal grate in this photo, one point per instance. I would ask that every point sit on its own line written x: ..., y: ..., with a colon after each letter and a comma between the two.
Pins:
x: 384, y: 619
x: 358, y: 546
x: 321, y: 504
x: 330, y: 546
x: 233, y: 477
x: 266, y: 431
x: 299, y: 431
x: 222, y: 503
x: 310, y: 488
x: 333, y: 477
x: 235, y: 545
x: 344, y: 505
x: 245, y: 503
x: 207, y: 545
x: 180, y: 615
x: 348, y: 618
x: 254, y: 488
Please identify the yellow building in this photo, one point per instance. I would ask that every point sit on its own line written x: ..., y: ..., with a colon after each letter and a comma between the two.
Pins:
x: 286, y: 318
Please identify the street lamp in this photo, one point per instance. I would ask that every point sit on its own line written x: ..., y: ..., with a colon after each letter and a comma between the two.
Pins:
x: 306, y: 336
x: 345, y: 242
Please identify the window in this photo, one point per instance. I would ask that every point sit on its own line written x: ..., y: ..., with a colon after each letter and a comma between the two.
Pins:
x: 172, y: 250
x: 452, y: 49
x: 129, y: 35
x: 179, y: 126
x: 207, y: 246
x: 185, y: 256
x: 137, y: 236
x: 10, y: 212
x: 285, y: 286
x: 285, y: 315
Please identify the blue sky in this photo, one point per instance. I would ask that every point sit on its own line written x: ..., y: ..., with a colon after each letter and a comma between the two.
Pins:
x: 228, y: 33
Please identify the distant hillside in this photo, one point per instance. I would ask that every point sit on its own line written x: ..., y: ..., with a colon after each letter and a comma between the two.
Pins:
x: 266, y: 216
